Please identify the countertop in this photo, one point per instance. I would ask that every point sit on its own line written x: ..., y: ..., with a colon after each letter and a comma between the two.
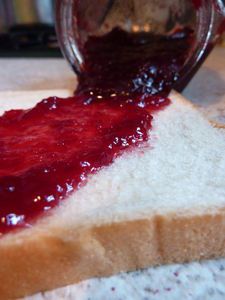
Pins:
x: 197, y: 280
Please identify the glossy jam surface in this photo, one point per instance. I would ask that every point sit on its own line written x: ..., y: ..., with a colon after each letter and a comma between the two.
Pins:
x: 133, y: 64
x: 47, y: 152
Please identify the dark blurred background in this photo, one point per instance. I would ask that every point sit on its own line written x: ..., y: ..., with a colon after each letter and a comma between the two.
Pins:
x: 27, y: 29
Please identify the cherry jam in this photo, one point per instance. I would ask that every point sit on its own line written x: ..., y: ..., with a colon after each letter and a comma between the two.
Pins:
x: 49, y: 151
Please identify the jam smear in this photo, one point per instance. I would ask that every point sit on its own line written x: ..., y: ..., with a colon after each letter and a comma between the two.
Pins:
x: 49, y: 151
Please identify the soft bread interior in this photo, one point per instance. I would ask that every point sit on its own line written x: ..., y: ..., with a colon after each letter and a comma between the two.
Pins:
x: 181, y: 170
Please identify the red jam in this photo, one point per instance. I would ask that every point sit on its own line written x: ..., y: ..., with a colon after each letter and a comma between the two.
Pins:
x: 197, y: 3
x: 133, y: 64
x: 48, y: 152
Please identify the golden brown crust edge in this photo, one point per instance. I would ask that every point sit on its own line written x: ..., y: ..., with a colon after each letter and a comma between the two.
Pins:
x: 59, y: 258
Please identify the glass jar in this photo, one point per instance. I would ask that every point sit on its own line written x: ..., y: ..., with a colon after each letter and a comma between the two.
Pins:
x: 77, y: 20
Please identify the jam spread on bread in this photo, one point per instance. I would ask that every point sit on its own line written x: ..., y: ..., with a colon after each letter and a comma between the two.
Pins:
x: 48, y: 151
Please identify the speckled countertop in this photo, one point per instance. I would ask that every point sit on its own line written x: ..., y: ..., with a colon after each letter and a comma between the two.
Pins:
x: 197, y: 281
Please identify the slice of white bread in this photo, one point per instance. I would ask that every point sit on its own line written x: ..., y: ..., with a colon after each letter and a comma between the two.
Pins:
x: 159, y: 204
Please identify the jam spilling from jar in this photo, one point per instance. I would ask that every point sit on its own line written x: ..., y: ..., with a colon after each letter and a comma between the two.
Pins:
x: 133, y: 64
x: 48, y: 151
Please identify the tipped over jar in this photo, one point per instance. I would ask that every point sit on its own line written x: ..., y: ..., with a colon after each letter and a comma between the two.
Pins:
x: 78, y: 21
